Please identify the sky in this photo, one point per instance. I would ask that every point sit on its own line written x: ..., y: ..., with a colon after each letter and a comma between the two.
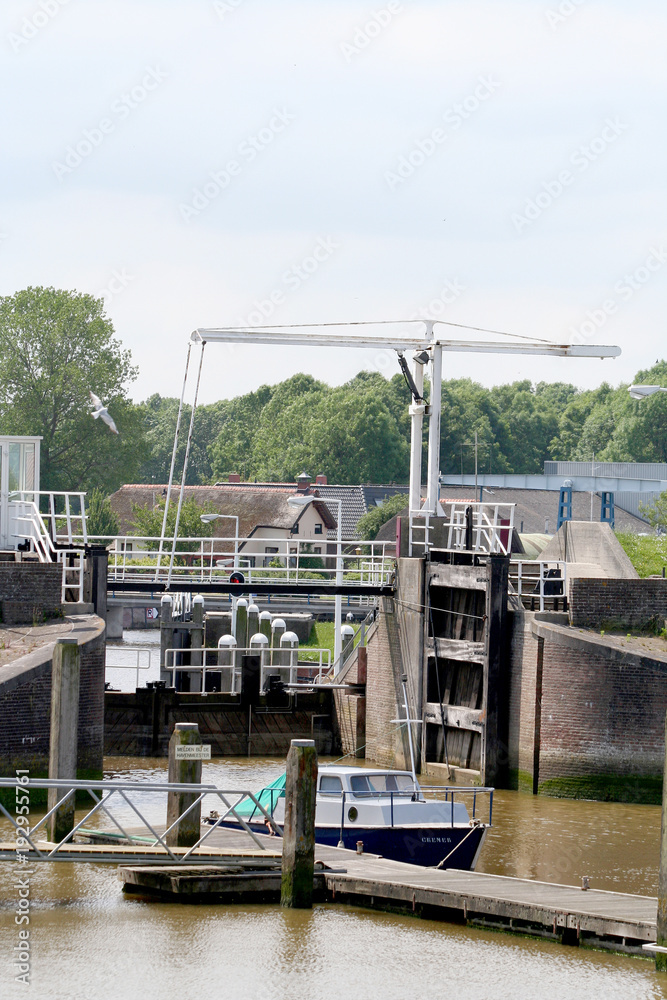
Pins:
x: 499, y: 164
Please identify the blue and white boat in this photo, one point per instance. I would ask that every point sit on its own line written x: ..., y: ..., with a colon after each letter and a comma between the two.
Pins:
x: 386, y: 811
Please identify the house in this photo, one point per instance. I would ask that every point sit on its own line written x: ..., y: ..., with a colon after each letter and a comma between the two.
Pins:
x: 266, y: 521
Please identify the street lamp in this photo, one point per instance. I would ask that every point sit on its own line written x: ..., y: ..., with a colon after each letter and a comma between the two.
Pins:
x: 301, y: 501
x: 642, y: 391
x: 209, y: 518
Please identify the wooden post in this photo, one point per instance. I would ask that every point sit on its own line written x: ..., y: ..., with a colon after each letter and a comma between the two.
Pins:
x: 166, y: 638
x: 196, y: 643
x: 65, y: 675
x: 299, y: 828
x: 181, y: 772
x: 661, y: 939
x: 241, y: 633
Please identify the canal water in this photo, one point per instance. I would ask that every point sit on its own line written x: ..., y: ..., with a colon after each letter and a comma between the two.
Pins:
x: 89, y: 942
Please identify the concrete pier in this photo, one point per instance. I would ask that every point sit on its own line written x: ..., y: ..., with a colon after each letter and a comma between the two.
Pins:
x: 65, y: 680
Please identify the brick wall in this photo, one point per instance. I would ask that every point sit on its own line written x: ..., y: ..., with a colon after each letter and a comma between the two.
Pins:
x: 586, y: 719
x: 629, y: 603
x: 25, y: 705
x: 29, y: 591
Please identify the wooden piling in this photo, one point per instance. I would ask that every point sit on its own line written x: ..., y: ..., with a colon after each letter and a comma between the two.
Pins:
x: 299, y: 828
x: 65, y: 677
x: 661, y: 937
x: 184, y: 771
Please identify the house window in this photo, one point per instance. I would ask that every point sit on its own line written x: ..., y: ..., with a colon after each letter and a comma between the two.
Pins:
x: 317, y: 549
x: 295, y: 528
x: 318, y: 529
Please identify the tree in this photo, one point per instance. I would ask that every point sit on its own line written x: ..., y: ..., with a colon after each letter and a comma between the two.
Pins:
x: 656, y: 512
x: 101, y: 518
x: 371, y: 522
x: 148, y: 521
x: 56, y: 346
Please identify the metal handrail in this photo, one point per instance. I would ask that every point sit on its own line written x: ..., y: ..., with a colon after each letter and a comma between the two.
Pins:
x: 128, y: 666
x: 45, y: 851
x: 273, y: 659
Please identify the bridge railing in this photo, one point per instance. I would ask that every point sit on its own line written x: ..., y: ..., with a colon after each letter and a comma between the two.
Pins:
x: 539, y: 584
x: 259, y: 560
x: 219, y: 669
x: 120, y: 802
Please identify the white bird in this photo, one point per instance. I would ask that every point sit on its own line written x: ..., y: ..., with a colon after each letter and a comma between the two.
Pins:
x: 100, y: 410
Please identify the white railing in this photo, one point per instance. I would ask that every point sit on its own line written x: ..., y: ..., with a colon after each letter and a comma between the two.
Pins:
x: 57, y: 542
x: 293, y: 667
x: 478, y: 527
x: 118, y: 801
x: 418, y: 521
x: 139, y: 653
x: 537, y: 581
x: 212, y: 560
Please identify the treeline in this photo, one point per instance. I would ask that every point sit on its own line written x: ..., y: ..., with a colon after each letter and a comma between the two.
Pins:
x: 360, y: 431
x: 56, y: 346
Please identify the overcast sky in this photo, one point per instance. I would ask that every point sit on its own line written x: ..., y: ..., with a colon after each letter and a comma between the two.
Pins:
x: 496, y: 163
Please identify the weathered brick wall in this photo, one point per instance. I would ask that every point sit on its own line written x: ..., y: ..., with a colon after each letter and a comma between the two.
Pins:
x: 629, y: 603
x: 602, y: 719
x: 25, y: 705
x: 523, y: 679
x: 29, y: 591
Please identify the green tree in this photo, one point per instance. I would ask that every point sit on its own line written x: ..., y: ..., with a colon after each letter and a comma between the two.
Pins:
x: 147, y: 521
x: 656, y: 511
x: 101, y: 518
x: 56, y: 346
x: 371, y: 522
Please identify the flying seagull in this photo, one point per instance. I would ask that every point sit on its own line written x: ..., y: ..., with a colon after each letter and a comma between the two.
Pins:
x: 100, y: 410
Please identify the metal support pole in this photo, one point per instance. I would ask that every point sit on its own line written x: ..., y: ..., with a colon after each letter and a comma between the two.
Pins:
x: 416, y: 432
x: 435, y: 405
x: 661, y: 939
x: 338, y: 602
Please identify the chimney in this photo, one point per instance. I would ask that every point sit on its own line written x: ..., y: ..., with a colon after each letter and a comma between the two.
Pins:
x: 303, y: 482
x: 234, y: 477
x: 320, y: 480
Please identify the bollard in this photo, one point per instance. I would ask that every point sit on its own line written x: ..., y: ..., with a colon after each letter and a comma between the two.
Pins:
x: 661, y: 938
x: 253, y: 620
x: 278, y: 628
x: 227, y: 658
x: 259, y: 646
x: 265, y: 624
x: 289, y: 657
x: 182, y: 772
x: 241, y: 634
x: 166, y: 638
x: 347, y: 642
x: 196, y: 643
x: 65, y: 677
x: 299, y: 827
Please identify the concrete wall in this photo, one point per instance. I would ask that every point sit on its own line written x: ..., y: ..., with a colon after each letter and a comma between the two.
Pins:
x: 586, y: 718
x: 25, y: 705
x: 627, y: 603
x: 30, y: 592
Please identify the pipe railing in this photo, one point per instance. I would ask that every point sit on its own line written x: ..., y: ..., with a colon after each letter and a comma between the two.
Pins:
x: 150, y: 844
x: 292, y: 666
x: 544, y: 582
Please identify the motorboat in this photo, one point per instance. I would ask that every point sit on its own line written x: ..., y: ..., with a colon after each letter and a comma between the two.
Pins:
x: 380, y: 811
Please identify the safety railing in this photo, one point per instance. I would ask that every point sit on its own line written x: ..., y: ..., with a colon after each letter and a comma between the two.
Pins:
x: 51, y: 540
x: 266, y: 560
x: 139, y: 653
x: 539, y: 585
x: 118, y: 802
x: 478, y: 527
x: 219, y: 670
x: 437, y: 792
x: 63, y: 512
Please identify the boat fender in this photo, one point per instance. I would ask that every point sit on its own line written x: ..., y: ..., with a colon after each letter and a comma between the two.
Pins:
x: 475, y: 822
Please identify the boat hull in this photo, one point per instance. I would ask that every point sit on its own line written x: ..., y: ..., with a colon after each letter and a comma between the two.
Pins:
x: 426, y: 846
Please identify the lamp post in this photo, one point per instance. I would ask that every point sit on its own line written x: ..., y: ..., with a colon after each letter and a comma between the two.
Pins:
x: 642, y: 391
x: 209, y: 518
x: 301, y: 501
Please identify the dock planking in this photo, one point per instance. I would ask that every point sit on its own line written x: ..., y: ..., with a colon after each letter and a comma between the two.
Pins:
x: 597, y: 918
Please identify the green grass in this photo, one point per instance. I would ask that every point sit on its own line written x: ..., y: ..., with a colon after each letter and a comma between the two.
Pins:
x: 321, y: 636
x: 647, y: 553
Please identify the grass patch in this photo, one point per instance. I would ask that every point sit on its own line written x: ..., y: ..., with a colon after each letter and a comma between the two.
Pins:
x: 321, y: 636
x: 647, y: 553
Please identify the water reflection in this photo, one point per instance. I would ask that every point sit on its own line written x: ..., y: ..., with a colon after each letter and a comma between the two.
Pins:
x: 89, y: 940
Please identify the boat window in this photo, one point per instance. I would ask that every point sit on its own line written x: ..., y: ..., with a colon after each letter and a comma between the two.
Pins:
x: 359, y: 784
x: 331, y: 784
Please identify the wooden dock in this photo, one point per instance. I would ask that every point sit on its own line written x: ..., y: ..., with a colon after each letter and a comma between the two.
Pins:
x: 593, y: 917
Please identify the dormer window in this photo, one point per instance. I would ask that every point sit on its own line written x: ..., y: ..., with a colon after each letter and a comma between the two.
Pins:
x: 318, y: 529
x: 295, y: 528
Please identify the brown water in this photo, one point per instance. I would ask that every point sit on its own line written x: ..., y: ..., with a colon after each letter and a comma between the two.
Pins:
x: 89, y: 942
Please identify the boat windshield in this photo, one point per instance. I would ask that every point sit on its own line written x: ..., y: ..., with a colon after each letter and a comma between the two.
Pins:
x: 372, y: 784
